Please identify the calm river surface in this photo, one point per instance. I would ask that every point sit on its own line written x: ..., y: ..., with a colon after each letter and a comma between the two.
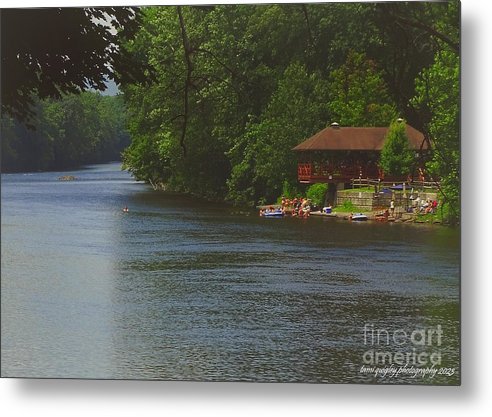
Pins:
x: 180, y: 289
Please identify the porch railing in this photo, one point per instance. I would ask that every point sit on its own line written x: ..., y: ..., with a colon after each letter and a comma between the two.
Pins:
x: 358, y: 176
x: 312, y: 172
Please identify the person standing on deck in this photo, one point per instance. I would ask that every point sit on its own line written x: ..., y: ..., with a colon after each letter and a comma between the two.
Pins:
x: 392, y: 208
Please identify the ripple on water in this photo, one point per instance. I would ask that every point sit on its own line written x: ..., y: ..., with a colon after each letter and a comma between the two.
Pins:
x: 177, y: 289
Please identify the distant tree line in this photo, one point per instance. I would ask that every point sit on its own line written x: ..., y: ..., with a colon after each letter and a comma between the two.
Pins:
x: 65, y: 133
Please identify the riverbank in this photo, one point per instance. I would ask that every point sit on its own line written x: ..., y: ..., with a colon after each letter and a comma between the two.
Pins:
x: 342, y: 214
x: 374, y: 215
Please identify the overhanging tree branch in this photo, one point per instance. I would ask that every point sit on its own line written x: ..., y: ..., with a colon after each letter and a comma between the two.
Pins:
x: 429, y: 29
x: 188, y: 51
x: 308, y: 25
x: 214, y: 56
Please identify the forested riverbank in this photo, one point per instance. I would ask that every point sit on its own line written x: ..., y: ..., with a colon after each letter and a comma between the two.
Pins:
x: 231, y: 89
x: 66, y: 133
x: 215, y: 97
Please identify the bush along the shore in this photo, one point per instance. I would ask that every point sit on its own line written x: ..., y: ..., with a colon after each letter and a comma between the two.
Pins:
x: 317, y: 193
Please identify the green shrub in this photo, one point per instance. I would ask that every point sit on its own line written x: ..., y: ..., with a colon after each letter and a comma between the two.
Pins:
x: 317, y: 193
x: 288, y: 190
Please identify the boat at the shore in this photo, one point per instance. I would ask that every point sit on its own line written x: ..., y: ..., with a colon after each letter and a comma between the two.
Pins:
x: 359, y: 217
x: 276, y: 213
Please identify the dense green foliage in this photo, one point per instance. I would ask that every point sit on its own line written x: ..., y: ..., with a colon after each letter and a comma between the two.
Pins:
x: 437, y: 99
x: 438, y: 93
x: 75, y: 130
x: 262, y: 159
x: 235, y: 87
x: 396, y: 156
x: 359, y: 96
x: 317, y: 193
x: 49, y: 52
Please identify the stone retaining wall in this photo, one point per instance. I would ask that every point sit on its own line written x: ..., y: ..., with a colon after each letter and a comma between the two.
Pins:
x: 370, y: 201
x: 363, y: 200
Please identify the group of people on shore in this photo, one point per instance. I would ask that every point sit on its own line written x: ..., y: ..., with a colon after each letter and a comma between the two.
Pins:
x: 422, y: 206
x: 297, y: 207
x: 300, y: 207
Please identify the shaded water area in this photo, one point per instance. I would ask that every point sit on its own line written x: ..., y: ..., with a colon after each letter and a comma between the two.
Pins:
x: 181, y: 289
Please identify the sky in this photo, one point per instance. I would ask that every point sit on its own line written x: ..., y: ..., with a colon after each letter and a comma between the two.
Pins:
x: 111, y: 89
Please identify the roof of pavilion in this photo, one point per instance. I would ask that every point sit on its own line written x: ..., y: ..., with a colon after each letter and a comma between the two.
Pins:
x: 337, y: 138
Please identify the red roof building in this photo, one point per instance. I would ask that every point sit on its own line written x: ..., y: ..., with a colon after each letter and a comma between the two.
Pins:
x: 341, y: 154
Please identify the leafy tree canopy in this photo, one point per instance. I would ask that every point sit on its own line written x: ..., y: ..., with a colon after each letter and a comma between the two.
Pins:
x: 437, y: 94
x: 358, y: 94
x: 237, y: 86
x: 396, y: 155
x: 50, y: 52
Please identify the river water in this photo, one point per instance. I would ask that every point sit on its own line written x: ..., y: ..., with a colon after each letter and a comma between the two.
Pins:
x: 181, y: 289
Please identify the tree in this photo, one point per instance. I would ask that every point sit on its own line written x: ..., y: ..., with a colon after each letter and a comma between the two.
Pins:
x: 407, y: 38
x: 396, y: 155
x: 437, y: 93
x: 51, y: 52
x: 262, y: 159
x: 436, y: 99
x: 358, y: 94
